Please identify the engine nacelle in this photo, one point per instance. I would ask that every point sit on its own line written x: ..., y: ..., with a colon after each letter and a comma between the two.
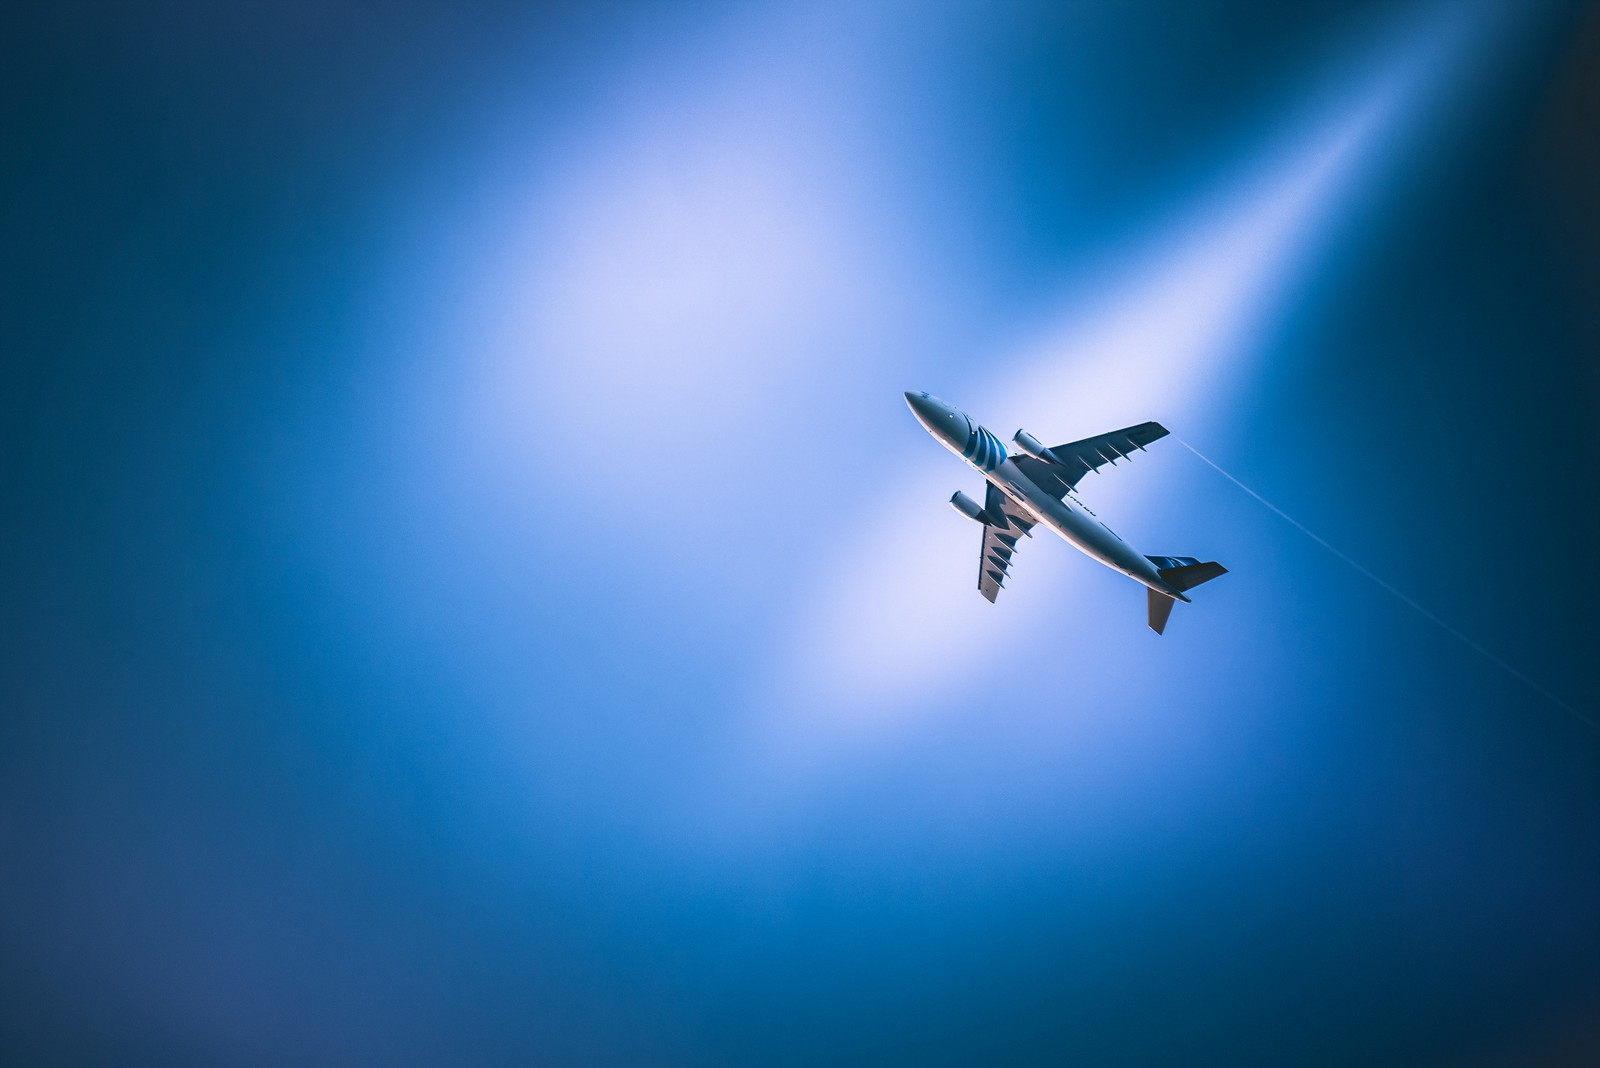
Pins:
x: 968, y: 507
x: 1028, y: 444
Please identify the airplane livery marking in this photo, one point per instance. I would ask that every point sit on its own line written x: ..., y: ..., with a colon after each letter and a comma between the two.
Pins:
x: 984, y: 449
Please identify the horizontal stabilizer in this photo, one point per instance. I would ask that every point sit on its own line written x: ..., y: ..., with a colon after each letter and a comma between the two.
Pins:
x: 1160, y: 607
x: 1186, y: 572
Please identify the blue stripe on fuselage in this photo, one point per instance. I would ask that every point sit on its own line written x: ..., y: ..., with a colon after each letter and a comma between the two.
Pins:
x: 989, y: 454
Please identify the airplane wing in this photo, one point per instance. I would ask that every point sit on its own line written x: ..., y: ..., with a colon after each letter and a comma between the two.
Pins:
x: 999, y: 542
x: 1081, y: 457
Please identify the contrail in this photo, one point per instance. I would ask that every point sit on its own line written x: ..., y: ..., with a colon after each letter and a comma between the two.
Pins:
x: 1419, y: 609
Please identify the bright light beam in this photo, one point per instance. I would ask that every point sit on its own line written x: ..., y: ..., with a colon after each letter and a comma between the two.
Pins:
x: 1172, y: 339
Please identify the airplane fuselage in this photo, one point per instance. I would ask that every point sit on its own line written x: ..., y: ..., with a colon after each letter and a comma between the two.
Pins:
x: 1077, y: 527
x: 981, y: 450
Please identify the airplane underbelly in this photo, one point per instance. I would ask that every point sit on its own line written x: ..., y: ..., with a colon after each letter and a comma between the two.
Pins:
x: 1079, y: 530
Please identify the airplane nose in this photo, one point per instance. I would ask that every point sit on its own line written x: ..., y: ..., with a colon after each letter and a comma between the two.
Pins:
x: 938, y: 418
x: 921, y: 406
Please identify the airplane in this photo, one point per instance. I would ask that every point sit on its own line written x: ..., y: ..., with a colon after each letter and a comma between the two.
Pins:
x: 1036, y: 487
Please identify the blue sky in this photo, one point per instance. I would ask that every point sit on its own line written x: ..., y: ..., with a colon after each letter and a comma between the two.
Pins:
x: 478, y: 597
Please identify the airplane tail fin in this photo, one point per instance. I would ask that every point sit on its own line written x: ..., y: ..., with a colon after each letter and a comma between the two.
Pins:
x: 1182, y: 573
x: 1160, y: 607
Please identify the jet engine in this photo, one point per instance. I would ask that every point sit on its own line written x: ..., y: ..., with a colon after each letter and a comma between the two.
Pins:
x: 1028, y: 444
x: 968, y: 507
